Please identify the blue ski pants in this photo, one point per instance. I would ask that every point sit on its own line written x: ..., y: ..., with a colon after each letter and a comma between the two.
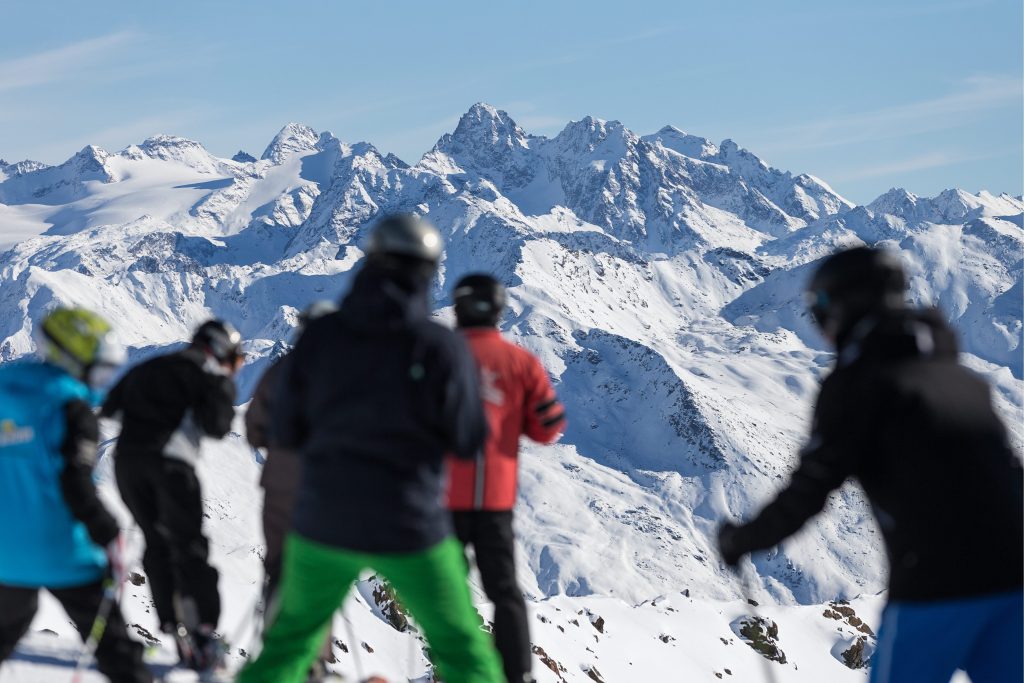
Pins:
x: 926, y: 642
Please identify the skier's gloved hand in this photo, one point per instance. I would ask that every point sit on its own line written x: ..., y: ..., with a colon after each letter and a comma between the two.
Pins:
x: 115, y: 557
x: 729, y: 544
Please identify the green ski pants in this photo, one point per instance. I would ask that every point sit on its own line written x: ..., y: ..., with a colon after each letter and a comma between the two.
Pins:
x: 431, y: 584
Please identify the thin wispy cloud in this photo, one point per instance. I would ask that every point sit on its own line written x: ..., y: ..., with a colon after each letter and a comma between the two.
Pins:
x: 588, y: 50
x: 640, y: 36
x: 975, y: 95
x: 63, y: 63
x: 864, y: 14
x: 921, y: 162
x: 917, y: 163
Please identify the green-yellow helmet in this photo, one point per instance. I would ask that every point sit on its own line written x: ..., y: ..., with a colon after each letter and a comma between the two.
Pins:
x: 78, y: 341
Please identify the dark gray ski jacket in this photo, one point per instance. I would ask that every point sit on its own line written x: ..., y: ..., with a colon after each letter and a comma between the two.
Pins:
x: 373, y: 397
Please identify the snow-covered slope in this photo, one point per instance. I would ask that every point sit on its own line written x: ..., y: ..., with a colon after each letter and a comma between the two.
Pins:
x: 657, y: 277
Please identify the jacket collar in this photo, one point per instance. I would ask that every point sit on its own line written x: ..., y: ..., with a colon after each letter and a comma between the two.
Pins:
x: 386, y: 299
x: 899, y: 334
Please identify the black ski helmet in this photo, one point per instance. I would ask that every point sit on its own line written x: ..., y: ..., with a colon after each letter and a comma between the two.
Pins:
x: 853, y: 283
x: 406, y: 236
x: 479, y: 300
x: 220, y: 339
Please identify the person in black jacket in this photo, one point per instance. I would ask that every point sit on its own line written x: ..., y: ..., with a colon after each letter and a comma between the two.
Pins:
x: 282, y: 473
x: 372, y: 398
x: 167, y: 404
x: 920, y: 434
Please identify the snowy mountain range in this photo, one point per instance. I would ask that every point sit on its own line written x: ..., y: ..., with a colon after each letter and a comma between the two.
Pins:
x: 657, y: 276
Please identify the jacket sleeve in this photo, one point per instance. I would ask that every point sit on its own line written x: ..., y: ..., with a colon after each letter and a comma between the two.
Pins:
x: 215, y: 408
x: 79, y: 451
x: 257, y: 417
x: 462, y: 411
x: 828, y: 459
x: 543, y: 414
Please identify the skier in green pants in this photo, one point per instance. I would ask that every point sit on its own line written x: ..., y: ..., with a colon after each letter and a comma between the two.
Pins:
x: 431, y: 585
x: 374, y: 398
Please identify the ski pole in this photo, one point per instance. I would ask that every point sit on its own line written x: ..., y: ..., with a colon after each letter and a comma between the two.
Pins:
x: 746, y: 590
x: 99, y: 627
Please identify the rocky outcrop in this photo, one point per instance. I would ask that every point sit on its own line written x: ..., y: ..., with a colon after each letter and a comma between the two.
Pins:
x: 840, y: 610
x: 856, y: 657
x: 762, y: 635
x: 855, y: 654
x: 387, y: 602
x: 556, y: 667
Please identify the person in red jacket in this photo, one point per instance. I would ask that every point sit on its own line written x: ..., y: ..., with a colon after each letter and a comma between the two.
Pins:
x: 518, y: 400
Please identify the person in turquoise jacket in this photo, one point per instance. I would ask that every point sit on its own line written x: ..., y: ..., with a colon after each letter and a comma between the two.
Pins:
x: 56, y: 534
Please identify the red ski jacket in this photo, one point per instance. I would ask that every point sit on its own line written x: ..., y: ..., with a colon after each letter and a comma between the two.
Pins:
x: 518, y: 399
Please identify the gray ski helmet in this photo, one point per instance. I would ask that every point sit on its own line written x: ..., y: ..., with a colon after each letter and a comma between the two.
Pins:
x: 405, y: 235
x: 220, y: 339
x: 853, y: 283
x: 317, y: 309
x: 479, y: 300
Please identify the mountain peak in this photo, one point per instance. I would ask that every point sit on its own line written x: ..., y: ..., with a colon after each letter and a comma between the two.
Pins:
x: 169, y: 146
x: 896, y: 201
x: 177, y: 149
x: 91, y: 160
x: 93, y: 152
x: 732, y: 154
x: 955, y: 194
x: 743, y: 161
x: 682, y: 142
x: 488, y: 125
x: 22, y: 167
x: 949, y: 206
x: 293, y: 138
x: 243, y: 157
x: 482, y: 109
x: 162, y: 140
x: 589, y: 133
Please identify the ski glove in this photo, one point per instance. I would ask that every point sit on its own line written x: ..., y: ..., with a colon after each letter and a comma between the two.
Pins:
x: 729, y: 546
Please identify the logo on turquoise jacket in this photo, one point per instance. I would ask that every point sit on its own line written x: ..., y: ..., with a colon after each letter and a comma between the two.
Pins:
x: 41, y: 543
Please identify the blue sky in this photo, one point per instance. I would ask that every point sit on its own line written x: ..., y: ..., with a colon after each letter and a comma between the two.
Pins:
x: 867, y: 95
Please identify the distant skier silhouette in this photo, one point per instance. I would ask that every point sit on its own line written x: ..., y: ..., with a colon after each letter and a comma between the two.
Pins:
x: 919, y: 432
x: 373, y: 398
x: 55, y: 532
x: 519, y: 401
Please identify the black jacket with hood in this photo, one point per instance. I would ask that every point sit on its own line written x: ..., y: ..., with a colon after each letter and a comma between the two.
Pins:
x: 373, y: 397
x: 919, y: 432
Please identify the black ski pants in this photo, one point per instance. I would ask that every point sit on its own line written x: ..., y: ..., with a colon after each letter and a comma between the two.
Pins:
x: 118, y: 657
x: 490, y: 534
x: 164, y: 497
